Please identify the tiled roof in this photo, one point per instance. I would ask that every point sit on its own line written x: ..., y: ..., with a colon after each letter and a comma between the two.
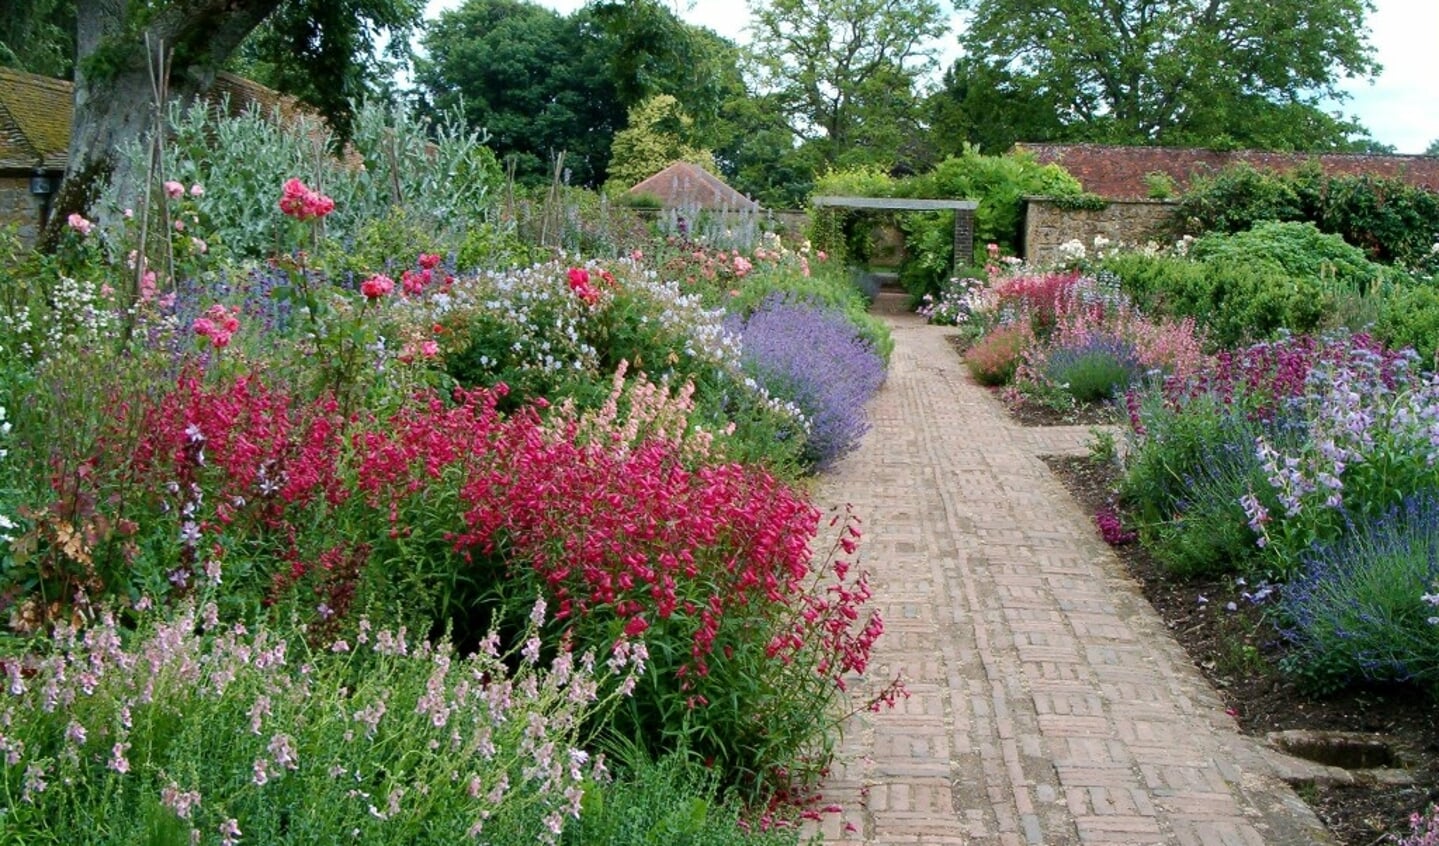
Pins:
x: 685, y: 184
x: 36, y: 113
x: 34, y: 121
x: 1118, y: 172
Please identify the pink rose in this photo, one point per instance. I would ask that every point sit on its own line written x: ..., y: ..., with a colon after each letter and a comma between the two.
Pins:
x: 78, y: 223
x: 197, y: 190
x: 174, y: 190
x: 377, y: 286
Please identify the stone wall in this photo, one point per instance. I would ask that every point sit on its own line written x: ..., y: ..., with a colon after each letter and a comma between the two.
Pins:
x: 18, y: 208
x: 1047, y: 225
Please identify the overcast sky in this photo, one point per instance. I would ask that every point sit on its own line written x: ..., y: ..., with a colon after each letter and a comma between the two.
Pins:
x: 1399, y: 107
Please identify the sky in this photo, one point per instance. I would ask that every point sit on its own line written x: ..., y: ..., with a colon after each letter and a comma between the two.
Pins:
x: 1400, y: 106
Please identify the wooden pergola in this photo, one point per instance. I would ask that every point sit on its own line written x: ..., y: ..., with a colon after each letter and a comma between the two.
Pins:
x: 963, y: 217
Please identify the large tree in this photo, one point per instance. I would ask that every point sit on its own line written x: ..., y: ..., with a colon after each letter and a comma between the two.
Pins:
x: 121, y: 44
x: 530, y: 77
x: 1222, y: 72
x: 845, y: 73
x: 542, y: 83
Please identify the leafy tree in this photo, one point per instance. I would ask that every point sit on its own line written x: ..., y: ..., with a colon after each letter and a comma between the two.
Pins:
x: 532, y: 78
x: 652, y: 52
x: 844, y: 73
x: 759, y: 155
x: 658, y: 134
x: 38, y: 36
x: 1223, y: 73
x: 1433, y: 148
x: 120, y: 44
x: 542, y: 83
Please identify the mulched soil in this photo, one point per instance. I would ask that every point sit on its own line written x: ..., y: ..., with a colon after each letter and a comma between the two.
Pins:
x: 1238, y: 652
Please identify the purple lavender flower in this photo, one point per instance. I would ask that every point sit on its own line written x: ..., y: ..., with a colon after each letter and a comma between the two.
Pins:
x: 814, y: 357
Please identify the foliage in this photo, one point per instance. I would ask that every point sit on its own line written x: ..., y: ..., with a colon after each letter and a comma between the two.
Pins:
x: 671, y: 800
x: 658, y: 133
x: 1099, y: 369
x: 1391, y: 221
x: 538, y: 82
x: 435, y: 179
x: 844, y: 72
x: 328, y: 52
x: 1261, y: 445
x: 1409, y: 317
x: 1363, y: 609
x: 1234, y: 300
x: 1178, y: 72
x: 197, y: 729
x: 38, y: 36
x: 998, y: 183
x: 814, y: 357
x: 1299, y: 250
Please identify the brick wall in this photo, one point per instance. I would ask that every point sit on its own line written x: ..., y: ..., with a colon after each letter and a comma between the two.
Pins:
x: 1047, y: 225
x: 1118, y: 172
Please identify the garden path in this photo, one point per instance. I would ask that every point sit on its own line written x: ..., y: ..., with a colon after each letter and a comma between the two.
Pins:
x: 1048, y: 704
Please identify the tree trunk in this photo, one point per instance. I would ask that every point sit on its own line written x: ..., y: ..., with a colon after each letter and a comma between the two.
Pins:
x: 114, y: 96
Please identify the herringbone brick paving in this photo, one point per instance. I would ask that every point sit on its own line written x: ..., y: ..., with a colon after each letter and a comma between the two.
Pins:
x: 1048, y: 704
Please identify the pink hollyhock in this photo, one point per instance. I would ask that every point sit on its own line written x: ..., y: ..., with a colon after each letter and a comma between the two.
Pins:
x: 218, y: 324
x: 414, y: 283
x: 300, y: 202
x: 377, y: 286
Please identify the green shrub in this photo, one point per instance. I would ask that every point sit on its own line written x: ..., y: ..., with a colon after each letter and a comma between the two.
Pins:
x: 1233, y: 299
x: 1237, y: 198
x: 998, y: 183
x: 1299, y: 250
x: 1390, y: 221
x: 1184, y: 482
x: 1409, y: 317
x: 674, y: 800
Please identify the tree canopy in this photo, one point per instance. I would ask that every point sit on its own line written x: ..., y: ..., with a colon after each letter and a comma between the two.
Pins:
x: 542, y: 83
x: 845, y: 73
x: 1222, y: 73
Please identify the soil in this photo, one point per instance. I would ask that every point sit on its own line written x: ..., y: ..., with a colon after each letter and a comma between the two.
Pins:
x: 1239, y: 652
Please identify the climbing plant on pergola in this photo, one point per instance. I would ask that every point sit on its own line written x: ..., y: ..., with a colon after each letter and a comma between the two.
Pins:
x: 828, y: 206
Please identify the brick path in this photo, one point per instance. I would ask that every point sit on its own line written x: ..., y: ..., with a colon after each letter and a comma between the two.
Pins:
x: 1049, y: 705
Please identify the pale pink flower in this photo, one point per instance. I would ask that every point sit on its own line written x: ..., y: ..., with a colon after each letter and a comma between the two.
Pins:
x: 78, y: 223
x: 174, y: 190
x: 197, y: 190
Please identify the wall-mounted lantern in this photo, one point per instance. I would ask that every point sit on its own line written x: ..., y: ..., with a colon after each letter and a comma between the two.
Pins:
x: 42, y: 185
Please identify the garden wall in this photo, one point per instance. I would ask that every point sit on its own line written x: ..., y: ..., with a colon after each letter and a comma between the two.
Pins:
x: 1047, y: 224
x: 18, y: 207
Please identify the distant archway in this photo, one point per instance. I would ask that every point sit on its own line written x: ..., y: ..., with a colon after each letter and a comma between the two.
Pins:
x: 963, y: 217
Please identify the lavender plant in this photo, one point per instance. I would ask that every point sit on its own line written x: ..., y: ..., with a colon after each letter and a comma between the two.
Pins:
x: 1364, y: 608
x: 814, y: 358
x: 1098, y: 368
